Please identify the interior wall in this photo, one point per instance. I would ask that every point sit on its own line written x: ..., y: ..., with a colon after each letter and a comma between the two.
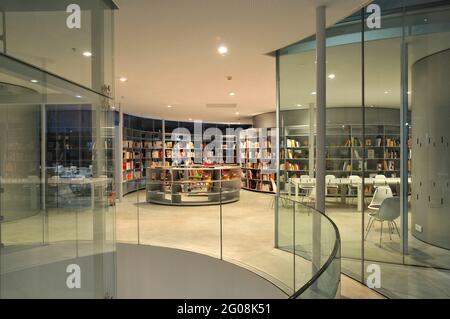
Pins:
x: 430, y: 154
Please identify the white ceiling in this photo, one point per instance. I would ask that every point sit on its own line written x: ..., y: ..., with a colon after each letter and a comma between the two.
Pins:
x: 168, y: 51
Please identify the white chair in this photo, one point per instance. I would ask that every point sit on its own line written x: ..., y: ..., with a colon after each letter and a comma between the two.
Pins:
x: 380, y: 194
x: 311, y: 198
x: 305, y: 190
x: 331, y: 179
x: 353, y: 187
x: 388, y: 212
x: 380, y: 180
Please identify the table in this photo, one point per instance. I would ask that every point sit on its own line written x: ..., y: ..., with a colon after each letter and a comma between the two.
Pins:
x: 343, y: 182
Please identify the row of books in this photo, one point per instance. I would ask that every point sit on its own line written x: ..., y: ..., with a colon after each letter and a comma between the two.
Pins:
x: 258, y: 166
x: 258, y: 185
x: 296, y: 143
x: 253, y: 144
x: 131, y: 175
x: 288, y: 166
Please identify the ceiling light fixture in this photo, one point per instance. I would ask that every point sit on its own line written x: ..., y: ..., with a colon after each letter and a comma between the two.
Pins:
x: 409, y: 92
x: 237, y: 113
x: 232, y: 94
x: 190, y: 119
x: 332, y: 76
x: 123, y: 79
x: 299, y: 105
x: 34, y: 81
x: 169, y: 106
x: 78, y: 96
x: 87, y: 54
x: 222, y: 50
x: 313, y: 93
x: 386, y: 92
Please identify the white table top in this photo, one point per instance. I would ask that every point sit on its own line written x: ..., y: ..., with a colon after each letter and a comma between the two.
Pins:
x: 348, y: 181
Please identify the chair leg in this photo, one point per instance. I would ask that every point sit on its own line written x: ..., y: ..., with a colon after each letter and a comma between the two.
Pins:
x: 396, y: 228
x: 390, y: 230
x: 381, y: 233
x: 370, y: 227
x: 370, y: 219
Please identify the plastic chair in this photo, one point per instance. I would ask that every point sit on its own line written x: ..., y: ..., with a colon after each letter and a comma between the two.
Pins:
x: 305, y: 190
x: 329, y: 179
x: 388, y: 212
x: 380, y: 194
x: 352, y: 187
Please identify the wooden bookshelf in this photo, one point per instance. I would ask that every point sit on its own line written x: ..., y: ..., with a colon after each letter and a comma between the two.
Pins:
x: 141, y: 150
x: 257, y: 162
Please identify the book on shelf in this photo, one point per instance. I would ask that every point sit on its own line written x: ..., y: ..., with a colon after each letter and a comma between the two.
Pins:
x: 158, y: 144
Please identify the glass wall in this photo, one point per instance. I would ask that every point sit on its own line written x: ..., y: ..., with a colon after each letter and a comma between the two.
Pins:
x: 57, y: 190
x: 71, y: 39
x: 387, y: 151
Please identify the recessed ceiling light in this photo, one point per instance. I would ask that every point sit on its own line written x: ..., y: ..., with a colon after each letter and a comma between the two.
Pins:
x: 332, y: 76
x: 169, y: 106
x: 299, y: 105
x: 237, y: 113
x: 78, y: 96
x: 409, y: 92
x: 222, y: 50
x: 87, y: 54
x: 232, y: 94
x: 313, y: 93
x: 123, y: 79
x: 34, y: 81
x: 386, y: 92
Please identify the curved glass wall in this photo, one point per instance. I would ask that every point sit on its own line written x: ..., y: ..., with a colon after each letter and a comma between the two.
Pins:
x: 387, y: 151
x: 57, y: 189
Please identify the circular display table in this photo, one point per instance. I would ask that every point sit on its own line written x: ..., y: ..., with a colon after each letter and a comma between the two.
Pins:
x: 193, y: 185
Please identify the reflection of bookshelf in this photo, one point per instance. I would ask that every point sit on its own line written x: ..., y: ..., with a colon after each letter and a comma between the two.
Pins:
x: 258, y: 156
x: 344, y: 151
x: 141, y: 149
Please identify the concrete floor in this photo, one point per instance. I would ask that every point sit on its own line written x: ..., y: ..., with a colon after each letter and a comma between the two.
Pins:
x: 424, y: 273
x: 248, y: 232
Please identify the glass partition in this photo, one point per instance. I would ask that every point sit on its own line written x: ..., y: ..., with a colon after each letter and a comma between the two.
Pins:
x: 57, y: 227
x: 387, y: 156
x: 71, y: 39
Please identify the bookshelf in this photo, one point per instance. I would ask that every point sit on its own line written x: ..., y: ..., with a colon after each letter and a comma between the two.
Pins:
x: 141, y: 149
x: 258, y: 157
x: 344, y: 151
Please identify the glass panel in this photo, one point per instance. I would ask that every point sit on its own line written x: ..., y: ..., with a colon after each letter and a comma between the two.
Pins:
x: 58, y: 162
x: 383, y: 48
x: 344, y: 140
x: 74, y: 41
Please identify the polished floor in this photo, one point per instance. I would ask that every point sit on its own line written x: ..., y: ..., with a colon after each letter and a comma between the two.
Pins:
x: 248, y: 239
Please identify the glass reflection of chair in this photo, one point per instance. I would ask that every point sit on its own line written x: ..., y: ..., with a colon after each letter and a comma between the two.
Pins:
x: 388, y: 212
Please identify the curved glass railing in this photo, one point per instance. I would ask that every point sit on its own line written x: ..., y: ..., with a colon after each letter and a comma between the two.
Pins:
x: 298, y: 251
